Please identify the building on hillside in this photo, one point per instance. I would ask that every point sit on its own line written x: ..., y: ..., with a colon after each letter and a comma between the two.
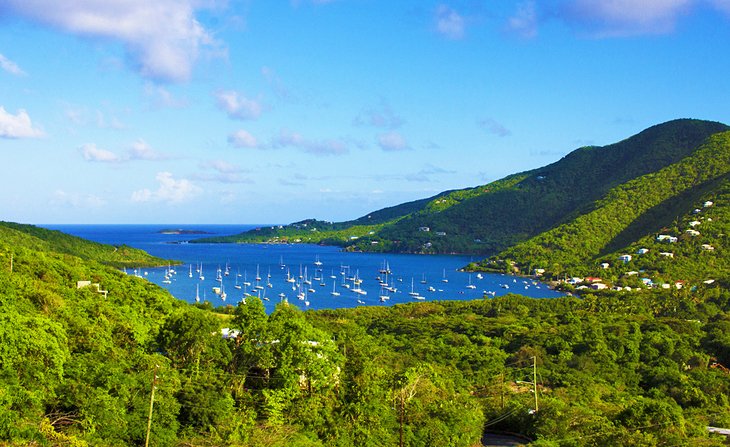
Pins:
x: 625, y: 258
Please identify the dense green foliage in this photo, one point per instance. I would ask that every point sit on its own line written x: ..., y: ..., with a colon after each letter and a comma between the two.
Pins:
x: 632, y: 216
x: 49, y: 240
x: 488, y: 219
x: 77, y: 367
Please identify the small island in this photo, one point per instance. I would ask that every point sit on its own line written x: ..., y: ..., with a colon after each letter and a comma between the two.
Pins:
x: 181, y: 231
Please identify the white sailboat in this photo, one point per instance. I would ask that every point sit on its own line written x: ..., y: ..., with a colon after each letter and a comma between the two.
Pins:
x: 470, y: 285
x: 334, y: 292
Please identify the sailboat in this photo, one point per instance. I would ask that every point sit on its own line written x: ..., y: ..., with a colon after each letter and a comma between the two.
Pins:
x: 334, y: 292
x: 190, y: 275
x: 471, y: 286
x: 237, y: 286
x: 197, y: 293
x: 444, y: 278
x: 223, y: 292
x: 413, y: 292
x: 383, y: 296
x: 201, y: 272
x: 317, y: 262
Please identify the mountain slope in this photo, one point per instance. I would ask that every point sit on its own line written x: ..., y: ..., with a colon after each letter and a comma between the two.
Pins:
x: 633, y: 214
x: 50, y: 240
x: 490, y: 218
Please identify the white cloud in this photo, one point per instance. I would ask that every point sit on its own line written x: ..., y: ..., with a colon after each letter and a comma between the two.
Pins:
x: 524, y: 22
x: 92, y: 153
x: 170, y: 190
x: 222, y: 166
x: 317, y: 147
x: 449, y: 23
x: 380, y: 116
x: 140, y: 150
x: 612, y: 18
x: 242, y: 139
x: 10, y: 66
x: 17, y: 126
x: 238, y: 106
x: 162, y: 37
x: 393, y: 141
x: 62, y: 198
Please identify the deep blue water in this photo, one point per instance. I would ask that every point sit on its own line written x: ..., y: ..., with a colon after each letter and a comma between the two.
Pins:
x: 417, y: 271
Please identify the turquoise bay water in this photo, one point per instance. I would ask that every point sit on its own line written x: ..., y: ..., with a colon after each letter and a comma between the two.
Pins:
x: 326, y: 269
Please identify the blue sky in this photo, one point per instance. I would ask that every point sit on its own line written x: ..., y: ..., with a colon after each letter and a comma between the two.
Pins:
x: 264, y: 111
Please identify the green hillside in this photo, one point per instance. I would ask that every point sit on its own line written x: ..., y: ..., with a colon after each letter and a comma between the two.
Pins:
x: 42, y: 239
x: 79, y: 366
x: 633, y: 215
x: 490, y: 218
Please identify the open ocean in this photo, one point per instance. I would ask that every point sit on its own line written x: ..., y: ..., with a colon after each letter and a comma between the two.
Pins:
x: 326, y: 269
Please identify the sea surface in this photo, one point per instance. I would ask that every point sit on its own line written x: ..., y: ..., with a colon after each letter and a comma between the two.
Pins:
x: 315, y: 271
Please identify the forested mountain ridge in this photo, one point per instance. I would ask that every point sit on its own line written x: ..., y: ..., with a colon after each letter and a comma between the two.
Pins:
x: 55, y: 241
x: 490, y: 218
x: 670, y: 224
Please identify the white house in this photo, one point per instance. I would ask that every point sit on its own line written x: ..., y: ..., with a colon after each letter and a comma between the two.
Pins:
x: 707, y: 247
x: 692, y: 232
x: 625, y: 258
x: 667, y: 254
x: 707, y: 204
x: 694, y: 223
x: 642, y: 251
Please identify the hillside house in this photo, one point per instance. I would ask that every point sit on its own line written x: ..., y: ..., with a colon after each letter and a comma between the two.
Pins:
x: 625, y: 258
x: 605, y: 265
x: 642, y: 251
x: 693, y: 233
x: 694, y: 223
x: 666, y: 238
x: 424, y: 229
x: 667, y: 254
x: 598, y: 286
x: 707, y: 247
x: 707, y: 204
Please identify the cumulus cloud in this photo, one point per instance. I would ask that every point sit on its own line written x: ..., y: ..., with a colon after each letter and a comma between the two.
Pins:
x: 18, y: 125
x: 170, y: 190
x: 449, y: 23
x: 73, y: 200
x: 223, y: 172
x: 317, y: 147
x: 10, y: 66
x: 91, y: 152
x: 525, y: 21
x: 493, y: 127
x: 380, y: 116
x: 392, y: 141
x: 242, y: 139
x: 611, y: 18
x: 140, y: 150
x: 238, y: 106
x: 162, y: 38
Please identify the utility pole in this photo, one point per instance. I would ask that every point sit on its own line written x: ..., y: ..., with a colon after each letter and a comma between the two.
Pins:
x: 402, y: 414
x: 534, y: 378
x: 152, y: 402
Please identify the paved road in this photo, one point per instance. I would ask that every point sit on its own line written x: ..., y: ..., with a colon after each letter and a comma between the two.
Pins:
x: 495, y: 440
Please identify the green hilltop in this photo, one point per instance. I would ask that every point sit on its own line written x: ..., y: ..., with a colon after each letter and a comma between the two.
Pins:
x: 490, y: 218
